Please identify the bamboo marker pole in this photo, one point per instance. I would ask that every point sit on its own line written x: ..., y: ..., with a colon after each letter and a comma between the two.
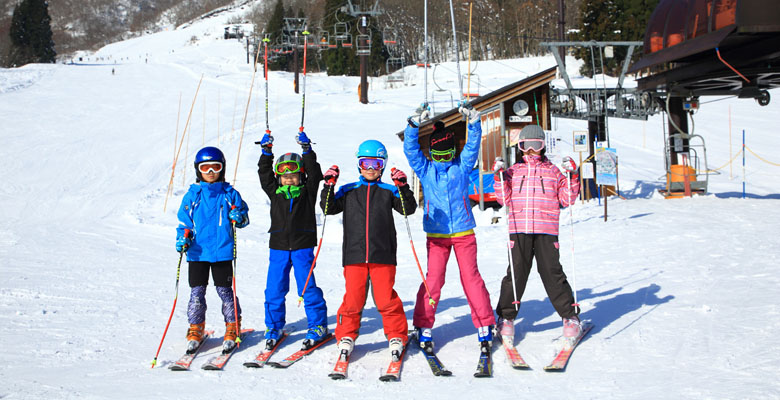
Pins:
x: 173, y: 168
x: 175, y: 140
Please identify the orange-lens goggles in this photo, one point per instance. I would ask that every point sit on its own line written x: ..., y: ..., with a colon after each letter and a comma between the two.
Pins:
x: 214, y: 166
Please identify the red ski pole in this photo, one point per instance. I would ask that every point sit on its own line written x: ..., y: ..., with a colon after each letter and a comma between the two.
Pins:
x: 409, y: 231
x: 319, y: 246
x: 175, y: 298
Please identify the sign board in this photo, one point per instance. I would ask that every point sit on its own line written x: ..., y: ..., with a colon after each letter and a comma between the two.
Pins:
x: 606, y: 166
x: 517, y: 118
x: 586, y: 170
x: 580, y: 140
x: 514, y: 137
x: 552, y: 141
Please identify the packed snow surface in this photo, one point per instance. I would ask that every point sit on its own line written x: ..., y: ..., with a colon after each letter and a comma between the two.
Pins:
x: 682, y: 292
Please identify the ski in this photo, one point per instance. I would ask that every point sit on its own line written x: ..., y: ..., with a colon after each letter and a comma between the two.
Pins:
x: 293, y: 358
x: 183, y: 364
x: 512, y: 355
x: 263, y: 356
x: 218, y: 362
x: 340, y: 369
x: 485, y: 364
x: 393, y: 373
x: 558, y: 364
x: 437, y: 368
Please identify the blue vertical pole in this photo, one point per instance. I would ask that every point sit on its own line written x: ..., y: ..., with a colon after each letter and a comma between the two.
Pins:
x: 743, y: 163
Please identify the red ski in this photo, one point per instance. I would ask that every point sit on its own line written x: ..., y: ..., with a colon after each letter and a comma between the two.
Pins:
x: 263, y: 356
x: 183, y: 364
x: 560, y: 361
x: 218, y: 362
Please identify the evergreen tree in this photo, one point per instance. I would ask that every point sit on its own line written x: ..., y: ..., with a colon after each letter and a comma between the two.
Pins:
x: 612, y: 20
x: 31, y: 34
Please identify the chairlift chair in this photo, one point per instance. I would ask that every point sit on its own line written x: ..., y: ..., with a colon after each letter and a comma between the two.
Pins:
x: 347, y: 41
x: 363, y: 44
x: 341, y: 31
x: 395, y: 69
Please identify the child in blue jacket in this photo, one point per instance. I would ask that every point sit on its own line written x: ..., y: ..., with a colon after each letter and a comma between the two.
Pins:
x: 449, y: 224
x: 205, y: 231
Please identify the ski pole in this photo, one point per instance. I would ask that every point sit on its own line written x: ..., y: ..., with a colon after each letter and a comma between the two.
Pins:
x: 319, y: 246
x: 457, y: 51
x: 409, y: 232
x: 235, y: 301
x: 265, y: 71
x: 303, y: 96
x: 468, y: 66
x: 425, y: 56
x: 573, y: 265
x: 509, y: 256
x: 175, y: 299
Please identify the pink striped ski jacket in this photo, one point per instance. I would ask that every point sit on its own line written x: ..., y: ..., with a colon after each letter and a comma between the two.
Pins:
x: 537, y: 191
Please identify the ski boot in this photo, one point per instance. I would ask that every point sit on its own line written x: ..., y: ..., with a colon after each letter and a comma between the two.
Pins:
x: 485, y: 334
x: 232, y: 330
x: 572, y: 329
x: 396, y: 348
x: 314, y: 336
x: 271, y: 337
x: 506, y: 328
x: 346, y: 345
x: 194, y: 336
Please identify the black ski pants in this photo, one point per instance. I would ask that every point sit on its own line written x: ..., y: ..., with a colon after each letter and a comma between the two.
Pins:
x: 545, y: 249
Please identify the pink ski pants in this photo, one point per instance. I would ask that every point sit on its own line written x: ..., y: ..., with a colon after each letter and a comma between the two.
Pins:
x: 474, y: 287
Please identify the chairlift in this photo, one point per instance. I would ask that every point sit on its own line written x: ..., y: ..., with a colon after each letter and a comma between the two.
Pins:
x: 346, y: 41
x: 341, y: 31
x: 324, y: 40
x: 389, y: 38
x: 395, y: 69
x: 363, y: 44
x: 475, y: 84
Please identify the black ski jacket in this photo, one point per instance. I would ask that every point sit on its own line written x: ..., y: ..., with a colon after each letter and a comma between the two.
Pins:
x: 293, y: 223
x: 368, y: 207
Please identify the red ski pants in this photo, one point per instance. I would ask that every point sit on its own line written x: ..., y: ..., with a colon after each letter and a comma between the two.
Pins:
x: 382, y: 280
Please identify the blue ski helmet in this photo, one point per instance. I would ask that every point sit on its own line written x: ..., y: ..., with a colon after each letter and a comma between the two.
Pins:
x: 372, y: 148
x: 210, y: 154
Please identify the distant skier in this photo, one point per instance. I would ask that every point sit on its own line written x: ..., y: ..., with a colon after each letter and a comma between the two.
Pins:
x: 208, y: 210
x: 449, y: 223
x: 369, y: 248
x: 291, y: 184
x: 537, y: 191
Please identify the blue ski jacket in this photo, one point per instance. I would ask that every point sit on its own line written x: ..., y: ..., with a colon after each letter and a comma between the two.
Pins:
x: 204, y: 211
x: 445, y: 184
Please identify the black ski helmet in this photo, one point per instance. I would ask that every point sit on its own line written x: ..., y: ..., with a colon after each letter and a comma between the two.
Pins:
x: 290, y: 157
x: 209, y: 154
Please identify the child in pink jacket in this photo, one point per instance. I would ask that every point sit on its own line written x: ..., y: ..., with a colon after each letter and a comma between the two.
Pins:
x: 536, y: 191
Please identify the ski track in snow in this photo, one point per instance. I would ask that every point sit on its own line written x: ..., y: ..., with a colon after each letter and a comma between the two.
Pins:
x: 681, y: 292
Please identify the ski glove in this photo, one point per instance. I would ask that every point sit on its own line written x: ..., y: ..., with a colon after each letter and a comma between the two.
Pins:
x: 399, y: 177
x: 415, y: 120
x: 183, y: 243
x: 304, y: 141
x: 470, y: 113
x: 331, y: 175
x: 240, y: 218
x: 498, y: 164
x: 266, y: 143
x: 569, y: 165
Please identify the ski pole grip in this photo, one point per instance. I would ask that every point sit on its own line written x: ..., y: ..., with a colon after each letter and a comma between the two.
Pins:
x: 187, y: 233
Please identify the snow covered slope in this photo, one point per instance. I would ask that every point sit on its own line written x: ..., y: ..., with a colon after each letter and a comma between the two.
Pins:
x: 682, y: 292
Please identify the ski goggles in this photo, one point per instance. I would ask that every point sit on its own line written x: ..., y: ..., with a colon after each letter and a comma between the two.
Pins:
x: 443, y: 155
x: 376, y: 164
x: 213, y: 166
x: 531, y: 144
x: 287, y: 167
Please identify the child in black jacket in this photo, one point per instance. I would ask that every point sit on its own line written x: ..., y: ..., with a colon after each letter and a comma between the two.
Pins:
x: 291, y: 183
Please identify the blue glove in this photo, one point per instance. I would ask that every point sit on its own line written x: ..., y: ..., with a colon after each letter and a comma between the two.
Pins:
x: 304, y: 141
x: 239, y: 217
x: 266, y: 143
x: 183, y: 243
